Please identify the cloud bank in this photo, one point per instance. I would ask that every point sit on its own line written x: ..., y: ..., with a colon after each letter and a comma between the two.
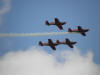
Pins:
x: 35, y: 61
x: 4, y: 9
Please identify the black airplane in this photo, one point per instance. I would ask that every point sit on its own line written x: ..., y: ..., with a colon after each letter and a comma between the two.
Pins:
x: 56, y: 23
x: 67, y: 42
x: 79, y: 30
x: 49, y: 43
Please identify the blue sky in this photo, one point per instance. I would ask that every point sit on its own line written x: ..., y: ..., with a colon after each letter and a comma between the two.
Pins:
x: 28, y: 16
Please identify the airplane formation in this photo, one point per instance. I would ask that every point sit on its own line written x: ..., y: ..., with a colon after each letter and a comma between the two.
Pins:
x: 67, y: 41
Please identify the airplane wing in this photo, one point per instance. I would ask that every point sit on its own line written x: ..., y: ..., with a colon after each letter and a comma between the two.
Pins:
x: 53, y: 47
x: 83, y: 34
x: 79, y: 28
x: 51, y: 44
x: 60, y: 27
x: 70, y: 45
x: 56, y: 20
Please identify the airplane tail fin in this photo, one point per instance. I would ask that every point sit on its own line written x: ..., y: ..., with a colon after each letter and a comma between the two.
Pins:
x: 40, y: 43
x: 69, y: 30
x: 67, y: 41
x: 57, y: 41
x: 47, y: 23
x: 80, y: 28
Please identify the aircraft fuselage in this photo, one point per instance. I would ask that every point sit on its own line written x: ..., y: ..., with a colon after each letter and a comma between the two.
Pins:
x: 60, y: 23
x: 85, y: 30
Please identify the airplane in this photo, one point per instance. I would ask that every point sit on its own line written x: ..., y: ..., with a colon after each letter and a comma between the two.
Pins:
x: 57, y: 23
x: 50, y: 43
x: 80, y: 30
x: 67, y: 42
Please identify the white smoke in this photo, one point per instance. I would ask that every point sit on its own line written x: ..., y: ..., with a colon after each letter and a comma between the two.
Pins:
x: 34, y: 34
x: 4, y: 9
x: 35, y: 61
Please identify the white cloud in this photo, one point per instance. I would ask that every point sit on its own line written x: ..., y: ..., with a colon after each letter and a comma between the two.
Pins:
x: 4, y: 9
x: 35, y: 61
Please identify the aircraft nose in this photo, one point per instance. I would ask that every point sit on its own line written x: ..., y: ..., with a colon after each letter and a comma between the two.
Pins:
x: 88, y: 30
x: 75, y: 42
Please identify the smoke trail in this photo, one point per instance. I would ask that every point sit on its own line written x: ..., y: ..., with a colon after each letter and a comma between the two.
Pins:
x: 33, y: 34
